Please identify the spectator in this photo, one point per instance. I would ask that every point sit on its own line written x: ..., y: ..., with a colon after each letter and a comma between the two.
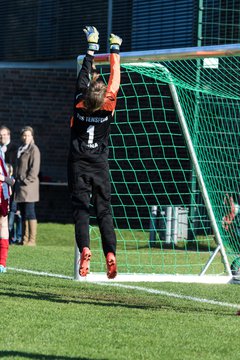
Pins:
x: 14, y: 216
x: 10, y: 156
x: 27, y: 184
x: 231, y: 223
x: 5, y: 181
x: 10, y: 153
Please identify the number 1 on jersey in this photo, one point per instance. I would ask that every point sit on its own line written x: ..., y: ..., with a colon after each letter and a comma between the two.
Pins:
x: 90, y: 131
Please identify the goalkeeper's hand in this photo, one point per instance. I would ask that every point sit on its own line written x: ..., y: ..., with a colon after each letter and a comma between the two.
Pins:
x: 115, y: 42
x: 92, y: 36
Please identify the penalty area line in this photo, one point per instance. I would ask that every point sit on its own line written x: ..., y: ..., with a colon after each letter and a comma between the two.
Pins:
x: 134, y: 287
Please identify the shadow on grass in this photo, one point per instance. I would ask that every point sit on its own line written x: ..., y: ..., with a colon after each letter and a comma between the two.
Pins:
x: 108, y: 301
x: 26, y: 355
x: 31, y: 295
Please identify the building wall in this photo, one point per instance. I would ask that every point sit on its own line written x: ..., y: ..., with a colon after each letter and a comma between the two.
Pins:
x: 164, y: 24
x: 43, y: 98
x: 49, y: 30
x: 54, y: 204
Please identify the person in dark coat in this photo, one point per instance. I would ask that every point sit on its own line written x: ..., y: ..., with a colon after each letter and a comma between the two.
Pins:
x: 9, y: 148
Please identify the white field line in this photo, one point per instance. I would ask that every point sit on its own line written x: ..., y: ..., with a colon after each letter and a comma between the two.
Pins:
x: 137, y: 288
x: 173, y: 295
x: 41, y: 273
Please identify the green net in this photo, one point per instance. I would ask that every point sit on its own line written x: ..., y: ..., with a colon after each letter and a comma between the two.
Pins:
x: 161, y: 221
x: 219, y: 22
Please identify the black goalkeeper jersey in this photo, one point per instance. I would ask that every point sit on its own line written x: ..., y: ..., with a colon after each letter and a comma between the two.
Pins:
x: 90, y: 133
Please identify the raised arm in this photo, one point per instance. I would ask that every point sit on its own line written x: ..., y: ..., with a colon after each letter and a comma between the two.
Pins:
x: 114, y: 80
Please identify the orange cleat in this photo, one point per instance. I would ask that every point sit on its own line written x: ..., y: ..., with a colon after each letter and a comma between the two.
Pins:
x: 85, y: 261
x: 111, y: 266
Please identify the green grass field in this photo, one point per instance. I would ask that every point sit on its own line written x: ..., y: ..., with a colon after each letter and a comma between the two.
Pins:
x: 46, y: 317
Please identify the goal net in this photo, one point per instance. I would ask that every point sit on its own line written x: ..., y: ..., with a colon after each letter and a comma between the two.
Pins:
x: 174, y: 160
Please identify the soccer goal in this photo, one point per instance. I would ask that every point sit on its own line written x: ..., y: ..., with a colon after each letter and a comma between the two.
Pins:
x: 175, y: 161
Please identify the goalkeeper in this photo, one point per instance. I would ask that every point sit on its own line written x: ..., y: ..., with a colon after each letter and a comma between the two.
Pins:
x: 88, y: 168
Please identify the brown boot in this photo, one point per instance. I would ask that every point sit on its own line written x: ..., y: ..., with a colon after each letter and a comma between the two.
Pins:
x: 32, y: 232
x: 25, y: 232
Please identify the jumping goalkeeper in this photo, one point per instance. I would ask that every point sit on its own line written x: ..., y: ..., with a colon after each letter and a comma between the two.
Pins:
x: 88, y: 168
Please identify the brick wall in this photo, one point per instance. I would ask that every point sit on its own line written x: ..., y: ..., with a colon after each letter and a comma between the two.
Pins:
x: 42, y: 98
x: 54, y: 205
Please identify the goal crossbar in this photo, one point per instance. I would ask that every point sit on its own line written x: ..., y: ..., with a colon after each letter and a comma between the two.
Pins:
x: 170, y: 54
